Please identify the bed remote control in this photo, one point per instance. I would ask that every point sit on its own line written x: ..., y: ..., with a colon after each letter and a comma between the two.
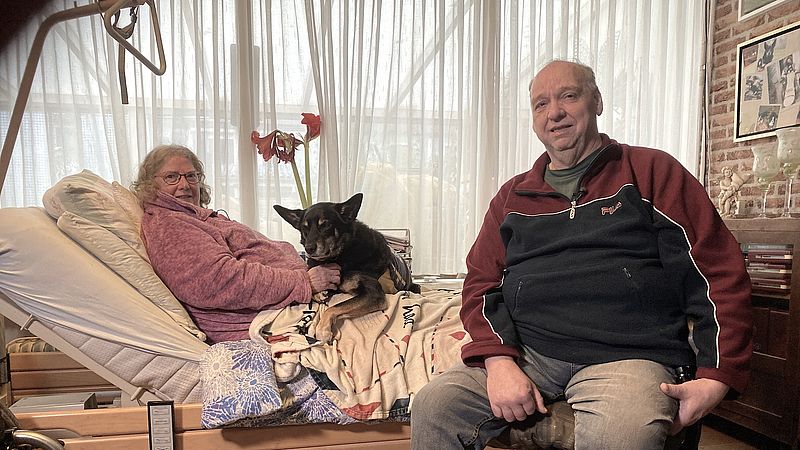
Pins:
x: 160, y: 425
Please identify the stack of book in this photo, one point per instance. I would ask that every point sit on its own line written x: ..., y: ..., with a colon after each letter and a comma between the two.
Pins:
x: 399, y: 239
x: 770, y: 268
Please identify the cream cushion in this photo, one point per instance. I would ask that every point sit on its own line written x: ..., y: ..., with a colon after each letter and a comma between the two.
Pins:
x: 105, y: 219
x: 130, y: 204
x: 98, y: 201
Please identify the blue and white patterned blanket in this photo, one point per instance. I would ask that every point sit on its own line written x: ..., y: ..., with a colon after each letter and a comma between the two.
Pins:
x: 240, y: 390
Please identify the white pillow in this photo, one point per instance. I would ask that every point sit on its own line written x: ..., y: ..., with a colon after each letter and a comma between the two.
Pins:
x: 105, y: 218
x: 129, y: 203
x: 110, y: 249
x: 94, y: 199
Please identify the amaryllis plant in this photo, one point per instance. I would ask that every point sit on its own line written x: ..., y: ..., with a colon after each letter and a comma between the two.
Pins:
x: 283, y: 146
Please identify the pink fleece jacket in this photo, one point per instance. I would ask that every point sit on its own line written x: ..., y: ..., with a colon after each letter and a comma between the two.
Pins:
x: 222, y: 272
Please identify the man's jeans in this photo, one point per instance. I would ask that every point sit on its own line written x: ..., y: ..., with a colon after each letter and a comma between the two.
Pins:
x: 617, y: 405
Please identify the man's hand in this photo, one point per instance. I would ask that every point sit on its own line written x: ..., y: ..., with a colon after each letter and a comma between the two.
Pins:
x: 697, y: 398
x: 512, y: 395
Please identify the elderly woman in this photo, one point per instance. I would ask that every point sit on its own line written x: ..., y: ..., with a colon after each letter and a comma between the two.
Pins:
x: 223, y: 272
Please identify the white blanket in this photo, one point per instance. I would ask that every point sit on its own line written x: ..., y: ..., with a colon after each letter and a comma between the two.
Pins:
x: 379, y: 361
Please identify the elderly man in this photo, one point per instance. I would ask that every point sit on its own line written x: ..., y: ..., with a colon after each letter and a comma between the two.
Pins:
x: 581, y: 286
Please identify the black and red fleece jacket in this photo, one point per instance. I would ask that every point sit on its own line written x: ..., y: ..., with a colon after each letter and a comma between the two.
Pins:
x: 616, y: 272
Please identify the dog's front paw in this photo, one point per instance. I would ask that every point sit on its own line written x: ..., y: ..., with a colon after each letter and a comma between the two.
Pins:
x: 324, y: 331
x: 321, y: 297
x: 329, y: 335
x: 325, y: 336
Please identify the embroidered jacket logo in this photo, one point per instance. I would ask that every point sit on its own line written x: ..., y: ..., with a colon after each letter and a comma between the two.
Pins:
x: 610, y: 209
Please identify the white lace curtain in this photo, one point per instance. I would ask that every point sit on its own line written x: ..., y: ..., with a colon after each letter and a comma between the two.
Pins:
x: 424, y: 103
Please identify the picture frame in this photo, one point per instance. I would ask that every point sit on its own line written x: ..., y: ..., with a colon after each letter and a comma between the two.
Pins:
x: 750, y: 8
x: 767, y: 84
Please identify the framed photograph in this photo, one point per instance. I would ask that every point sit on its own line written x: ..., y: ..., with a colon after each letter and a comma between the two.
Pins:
x: 750, y: 8
x: 768, y: 84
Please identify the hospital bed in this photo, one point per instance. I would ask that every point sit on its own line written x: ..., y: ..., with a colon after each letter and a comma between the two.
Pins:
x: 80, y: 283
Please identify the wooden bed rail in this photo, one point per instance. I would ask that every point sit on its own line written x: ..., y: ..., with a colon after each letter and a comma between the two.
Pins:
x: 126, y: 428
x: 107, y: 421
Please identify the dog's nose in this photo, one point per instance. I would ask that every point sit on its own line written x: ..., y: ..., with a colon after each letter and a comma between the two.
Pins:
x: 311, y: 249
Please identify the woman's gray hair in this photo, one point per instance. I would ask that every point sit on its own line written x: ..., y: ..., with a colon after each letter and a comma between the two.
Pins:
x: 145, y: 186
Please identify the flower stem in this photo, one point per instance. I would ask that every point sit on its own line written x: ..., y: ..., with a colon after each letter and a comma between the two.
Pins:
x: 308, y: 170
x: 303, y: 201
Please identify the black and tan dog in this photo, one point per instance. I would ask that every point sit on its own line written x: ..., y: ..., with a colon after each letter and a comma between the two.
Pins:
x: 330, y: 233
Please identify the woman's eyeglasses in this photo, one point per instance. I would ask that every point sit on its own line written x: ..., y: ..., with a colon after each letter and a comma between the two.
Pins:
x: 175, y: 177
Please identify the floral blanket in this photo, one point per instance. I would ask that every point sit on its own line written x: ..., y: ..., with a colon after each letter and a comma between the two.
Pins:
x: 379, y: 361
x: 240, y: 390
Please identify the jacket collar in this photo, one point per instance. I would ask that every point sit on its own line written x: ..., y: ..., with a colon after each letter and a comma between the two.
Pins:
x: 533, y: 180
x: 171, y: 203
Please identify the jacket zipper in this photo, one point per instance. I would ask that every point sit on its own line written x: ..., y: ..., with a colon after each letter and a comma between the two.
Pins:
x: 576, y: 196
x: 574, y: 203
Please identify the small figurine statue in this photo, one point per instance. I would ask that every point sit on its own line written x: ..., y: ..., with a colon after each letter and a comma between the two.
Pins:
x: 729, y: 187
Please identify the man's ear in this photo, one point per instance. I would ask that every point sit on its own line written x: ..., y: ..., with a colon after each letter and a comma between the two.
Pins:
x: 349, y: 209
x: 599, y: 103
x: 293, y: 216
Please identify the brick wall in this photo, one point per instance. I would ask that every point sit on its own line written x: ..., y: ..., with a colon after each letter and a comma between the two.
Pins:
x: 723, y: 152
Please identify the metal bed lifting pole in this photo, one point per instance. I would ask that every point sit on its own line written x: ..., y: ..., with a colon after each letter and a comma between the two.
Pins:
x: 110, y: 7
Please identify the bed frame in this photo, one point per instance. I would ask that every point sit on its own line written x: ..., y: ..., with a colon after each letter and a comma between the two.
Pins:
x: 126, y: 428
x: 53, y: 372
x: 132, y: 395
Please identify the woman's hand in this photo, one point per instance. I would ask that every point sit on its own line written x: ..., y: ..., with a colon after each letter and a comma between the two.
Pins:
x: 323, y: 277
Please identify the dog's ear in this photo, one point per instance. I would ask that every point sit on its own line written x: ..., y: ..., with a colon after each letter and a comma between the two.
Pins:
x: 293, y: 216
x: 349, y: 209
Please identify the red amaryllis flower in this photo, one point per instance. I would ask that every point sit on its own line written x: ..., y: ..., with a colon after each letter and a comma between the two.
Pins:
x: 313, y: 124
x: 279, y: 144
x: 265, y: 145
x: 285, y: 145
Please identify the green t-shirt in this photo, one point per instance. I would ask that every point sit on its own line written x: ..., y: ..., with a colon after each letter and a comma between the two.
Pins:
x: 565, y: 181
